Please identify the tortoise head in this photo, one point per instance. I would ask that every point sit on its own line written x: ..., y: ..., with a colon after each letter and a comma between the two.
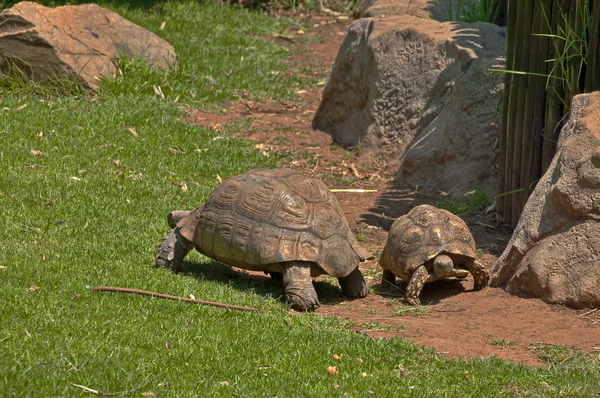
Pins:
x: 443, y: 266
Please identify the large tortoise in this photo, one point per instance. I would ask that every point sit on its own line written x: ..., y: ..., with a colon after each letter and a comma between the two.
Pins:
x: 428, y: 244
x: 277, y: 221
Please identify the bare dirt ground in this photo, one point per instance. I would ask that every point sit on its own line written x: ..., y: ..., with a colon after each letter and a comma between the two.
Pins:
x: 456, y: 320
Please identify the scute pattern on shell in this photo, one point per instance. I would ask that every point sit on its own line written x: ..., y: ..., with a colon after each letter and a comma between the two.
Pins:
x: 264, y: 217
x: 422, y: 234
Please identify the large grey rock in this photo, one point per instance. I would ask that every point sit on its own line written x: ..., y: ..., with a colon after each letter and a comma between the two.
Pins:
x: 77, y: 41
x: 404, y: 80
x: 554, y: 252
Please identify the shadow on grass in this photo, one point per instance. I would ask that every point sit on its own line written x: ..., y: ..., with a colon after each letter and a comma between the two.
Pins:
x: 254, y: 281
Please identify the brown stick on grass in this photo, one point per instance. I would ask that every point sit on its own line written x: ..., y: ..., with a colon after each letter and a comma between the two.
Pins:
x: 169, y: 297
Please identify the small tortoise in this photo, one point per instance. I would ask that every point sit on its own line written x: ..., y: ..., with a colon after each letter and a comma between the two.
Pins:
x: 277, y: 221
x: 428, y: 244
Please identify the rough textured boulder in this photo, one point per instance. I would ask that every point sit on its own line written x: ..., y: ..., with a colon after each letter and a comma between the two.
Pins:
x: 77, y: 41
x: 388, y: 8
x: 405, y: 80
x: 554, y: 253
x: 383, y: 8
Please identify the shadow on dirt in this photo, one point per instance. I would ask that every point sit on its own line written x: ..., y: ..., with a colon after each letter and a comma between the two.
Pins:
x: 433, y: 293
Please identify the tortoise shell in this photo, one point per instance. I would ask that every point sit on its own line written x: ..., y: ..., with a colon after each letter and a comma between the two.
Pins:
x: 421, y: 235
x: 263, y: 218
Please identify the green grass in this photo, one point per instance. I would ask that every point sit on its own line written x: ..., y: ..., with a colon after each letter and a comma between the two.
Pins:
x: 466, y: 10
x: 477, y: 201
x: 83, y: 203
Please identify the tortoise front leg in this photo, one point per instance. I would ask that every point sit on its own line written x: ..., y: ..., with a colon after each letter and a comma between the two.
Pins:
x: 354, y: 285
x: 413, y: 290
x: 172, y: 251
x: 481, y: 276
x: 299, y: 290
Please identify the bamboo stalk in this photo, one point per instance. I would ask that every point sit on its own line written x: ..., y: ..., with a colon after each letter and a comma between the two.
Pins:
x: 541, y: 96
x: 592, y: 80
x: 534, y: 97
x: 501, y: 178
x: 574, y: 21
x: 522, y: 61
x: 555, y: 92
x: 498, y: 12
x: 509, y: 108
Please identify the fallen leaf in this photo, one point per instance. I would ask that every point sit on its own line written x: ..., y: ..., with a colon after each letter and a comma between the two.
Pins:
x: 22, y: 107
x: 35, y: 152
x: 162, y: 25
x: 224, y: 383
x: 133, y: 131
x: 175, y: 150
x: 219, y: 178
x: 39, y: 135
x: 332, y: 370
x: 359, y: 360
x: 34, y: 288
x: 336, y: 357
x: 3, y: 267
x: 355, y: 171
x: 75, y: 178
x: 117, y: 162
x: 150, y: 393
x: 184, y: 188
x: 81, y: 171
x: 300, y: 31
x: 192, y: 296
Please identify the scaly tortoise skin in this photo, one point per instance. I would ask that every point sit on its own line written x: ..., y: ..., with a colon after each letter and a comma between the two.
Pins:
x: 277, y: 221
x: 428, y: 244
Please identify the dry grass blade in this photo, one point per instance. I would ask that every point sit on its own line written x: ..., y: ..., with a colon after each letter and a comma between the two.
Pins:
x: 109, y: 394
x: 354, y: 190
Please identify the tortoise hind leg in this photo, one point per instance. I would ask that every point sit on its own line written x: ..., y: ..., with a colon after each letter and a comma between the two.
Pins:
x: 388, y: 278
x: 481, y: 276
x: 354, y: 285
x: 299, y: 290
x: 413, y: 290
x: 171, y: 251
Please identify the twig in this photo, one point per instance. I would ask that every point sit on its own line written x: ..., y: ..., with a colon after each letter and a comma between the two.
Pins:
x: 485, y: 225
x: 589, y: 312
x: 315, y: 169
x: 108, y: 394
x: 169, y: 297
x: 288, y: 38
x: 354, y: 190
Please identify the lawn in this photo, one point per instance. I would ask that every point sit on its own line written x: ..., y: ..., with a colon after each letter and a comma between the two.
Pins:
x: 86, y: 183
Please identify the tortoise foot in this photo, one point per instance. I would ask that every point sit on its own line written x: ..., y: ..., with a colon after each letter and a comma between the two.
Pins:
x: 354, y: 285
x: 299, y: 291
x: 412, y: 301
x: 164, y: 253
x: 170, y: 252
x: 302, y: 299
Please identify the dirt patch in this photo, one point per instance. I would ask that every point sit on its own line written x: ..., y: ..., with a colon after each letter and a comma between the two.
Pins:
x: 456, y: 320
